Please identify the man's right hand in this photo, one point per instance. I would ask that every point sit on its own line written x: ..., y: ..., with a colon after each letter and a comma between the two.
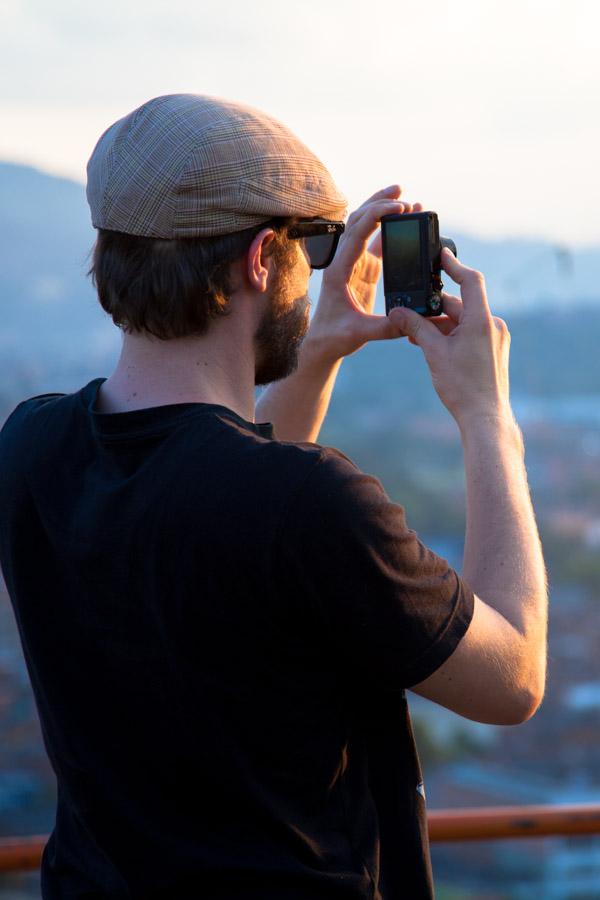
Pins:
x: 467, y: 349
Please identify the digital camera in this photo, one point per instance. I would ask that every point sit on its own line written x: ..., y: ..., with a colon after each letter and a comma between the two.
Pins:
x: 411, y: 248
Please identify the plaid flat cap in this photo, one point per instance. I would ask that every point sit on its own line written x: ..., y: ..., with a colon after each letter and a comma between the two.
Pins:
x: 186, y: 165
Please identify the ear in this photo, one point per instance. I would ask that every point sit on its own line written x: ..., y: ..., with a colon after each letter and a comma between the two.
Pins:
x: 259, y: 261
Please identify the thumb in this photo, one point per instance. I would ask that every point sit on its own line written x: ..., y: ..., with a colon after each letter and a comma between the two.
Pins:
x: 416, y: 327
x: 380, y: 328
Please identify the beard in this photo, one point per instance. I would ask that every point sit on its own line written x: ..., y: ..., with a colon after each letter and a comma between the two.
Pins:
x: 279, y: 337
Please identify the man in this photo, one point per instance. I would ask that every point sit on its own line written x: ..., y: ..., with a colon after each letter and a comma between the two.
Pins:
x: 220, y: 618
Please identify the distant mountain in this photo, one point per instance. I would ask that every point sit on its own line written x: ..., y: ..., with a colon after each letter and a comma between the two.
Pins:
x: 54, y: 334
x: 48, y: 305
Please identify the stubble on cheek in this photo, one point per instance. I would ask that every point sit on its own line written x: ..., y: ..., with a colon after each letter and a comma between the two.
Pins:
x: 278, y: 340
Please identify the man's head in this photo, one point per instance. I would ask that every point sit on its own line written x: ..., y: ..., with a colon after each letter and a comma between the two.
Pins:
x: 187, y: 192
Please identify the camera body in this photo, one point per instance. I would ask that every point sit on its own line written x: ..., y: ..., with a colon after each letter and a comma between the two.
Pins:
x: 411, y: 248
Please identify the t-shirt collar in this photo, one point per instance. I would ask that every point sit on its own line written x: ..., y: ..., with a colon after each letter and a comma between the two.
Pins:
x: 157, y: 418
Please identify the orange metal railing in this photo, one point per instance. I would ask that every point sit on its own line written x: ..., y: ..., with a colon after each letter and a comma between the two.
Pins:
x: 490, y: 823
x: 20, y: 854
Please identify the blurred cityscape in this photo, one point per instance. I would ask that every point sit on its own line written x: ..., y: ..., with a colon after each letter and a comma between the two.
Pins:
x: 386, y: 417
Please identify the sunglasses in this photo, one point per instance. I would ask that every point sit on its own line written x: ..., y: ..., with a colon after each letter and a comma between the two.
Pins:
x: 320, y: 238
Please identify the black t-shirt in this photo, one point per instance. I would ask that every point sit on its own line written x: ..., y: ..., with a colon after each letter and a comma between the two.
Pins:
x: 219, y: 628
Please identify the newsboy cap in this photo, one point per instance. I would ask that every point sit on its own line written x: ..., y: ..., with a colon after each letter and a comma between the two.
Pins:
x: 186, y: 165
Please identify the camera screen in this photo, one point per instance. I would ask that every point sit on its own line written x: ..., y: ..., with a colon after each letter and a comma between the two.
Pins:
x: 403, y: 256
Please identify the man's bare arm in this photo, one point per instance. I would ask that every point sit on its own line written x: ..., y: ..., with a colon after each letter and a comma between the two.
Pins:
x: 497, y: 672
x: 298, y: 404
x: 503, y: 559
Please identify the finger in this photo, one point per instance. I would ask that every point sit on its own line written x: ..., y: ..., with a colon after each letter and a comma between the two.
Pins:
x: 375, y: 245
x: 354, y: 239
x: 501, y: 326
x: 403, y: 206
x: 444, y: 324
x: 472, y: 285
x: 391, y: 192
x: 379, y: 328
x: 417, y: 327
x: 452, y: 307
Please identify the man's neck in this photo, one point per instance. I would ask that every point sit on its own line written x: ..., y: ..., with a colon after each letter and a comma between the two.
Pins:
x: 182, y: 370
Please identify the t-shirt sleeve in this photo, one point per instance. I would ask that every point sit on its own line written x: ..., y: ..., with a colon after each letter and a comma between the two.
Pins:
x: 389, y: 608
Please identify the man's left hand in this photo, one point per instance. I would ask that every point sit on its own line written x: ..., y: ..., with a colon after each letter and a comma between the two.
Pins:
x: 343, y: 320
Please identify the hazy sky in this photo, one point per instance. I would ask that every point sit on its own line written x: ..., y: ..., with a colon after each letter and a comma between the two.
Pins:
x: 487, y: 111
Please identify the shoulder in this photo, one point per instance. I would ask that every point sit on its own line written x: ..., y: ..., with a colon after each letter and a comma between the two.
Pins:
x: 328, y: 485
x: 27, y: 407
x: 321, y: 468
x: 28, y: 418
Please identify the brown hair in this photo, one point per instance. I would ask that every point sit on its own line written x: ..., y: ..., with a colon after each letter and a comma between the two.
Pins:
x: 174, y: 288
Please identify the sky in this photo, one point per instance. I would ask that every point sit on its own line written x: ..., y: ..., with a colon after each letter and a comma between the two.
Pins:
x: 487, y: 112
